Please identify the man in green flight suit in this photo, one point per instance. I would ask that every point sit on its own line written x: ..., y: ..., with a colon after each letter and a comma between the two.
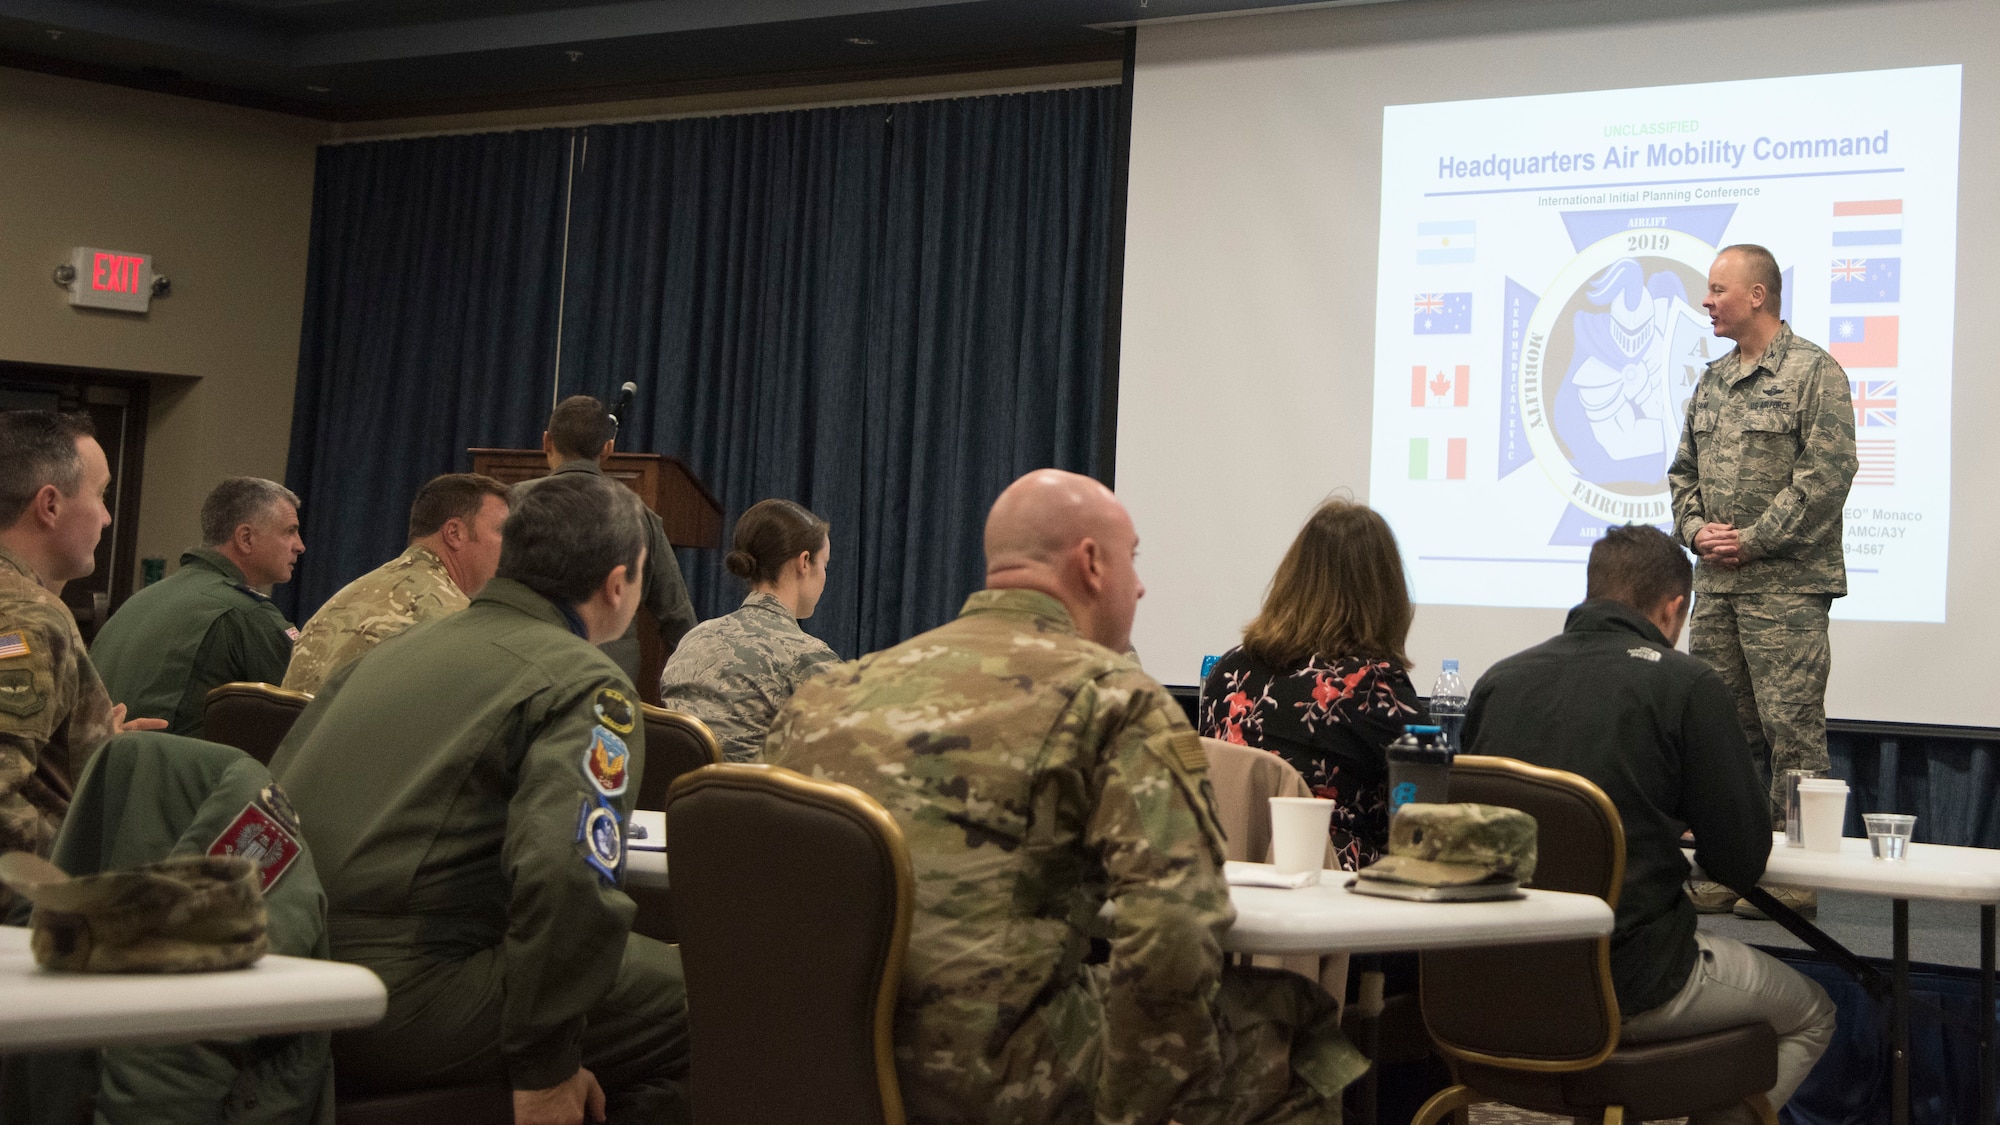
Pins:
x: 465, y: 792
x: 579, y: 438
x: 207, y: 625
x: 1038, y: 772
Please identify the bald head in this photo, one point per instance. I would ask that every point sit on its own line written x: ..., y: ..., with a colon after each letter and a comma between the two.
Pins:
x: 1069, y: 537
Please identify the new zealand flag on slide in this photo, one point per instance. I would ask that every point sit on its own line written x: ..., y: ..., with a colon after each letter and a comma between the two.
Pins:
x: 1858, y: 280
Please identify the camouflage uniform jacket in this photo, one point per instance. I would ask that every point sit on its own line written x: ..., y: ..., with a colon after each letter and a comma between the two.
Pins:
x: 54, y: 712
x: 734, y: 672
x: 1769, y: 449
x: 1035, y: 775
x: 176, y: 640
x: 414, y: 586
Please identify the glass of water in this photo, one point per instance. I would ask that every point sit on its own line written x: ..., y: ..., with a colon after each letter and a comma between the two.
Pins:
x: 1889, y: 834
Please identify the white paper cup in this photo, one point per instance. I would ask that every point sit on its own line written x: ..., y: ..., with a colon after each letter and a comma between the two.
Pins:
x: 1823, y: 808
x: 1298, y: 833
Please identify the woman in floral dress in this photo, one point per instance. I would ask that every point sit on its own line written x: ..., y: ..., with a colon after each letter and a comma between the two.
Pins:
x: 1321, y: 678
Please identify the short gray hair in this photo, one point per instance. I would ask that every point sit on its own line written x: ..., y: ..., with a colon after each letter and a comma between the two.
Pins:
x: 1764, y: 271
x: 567, y: 532
x: 237, y: 501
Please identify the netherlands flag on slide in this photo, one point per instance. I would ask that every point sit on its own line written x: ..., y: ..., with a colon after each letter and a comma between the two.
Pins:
x: 1437, y: 458
x: 1868, y: 222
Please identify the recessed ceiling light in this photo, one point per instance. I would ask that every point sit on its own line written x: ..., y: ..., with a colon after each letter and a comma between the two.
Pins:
x: 319, y: 89
x: 860, y: 41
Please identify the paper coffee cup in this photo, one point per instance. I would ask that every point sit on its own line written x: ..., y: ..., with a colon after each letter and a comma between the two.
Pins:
x: 1298, y: 833
x: 1823, y: 809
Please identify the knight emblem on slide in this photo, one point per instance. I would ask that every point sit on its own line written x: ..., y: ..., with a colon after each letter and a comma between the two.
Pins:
x: 1610, y: 355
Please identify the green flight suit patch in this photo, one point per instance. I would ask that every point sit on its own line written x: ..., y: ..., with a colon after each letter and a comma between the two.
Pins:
x: 18, y: 694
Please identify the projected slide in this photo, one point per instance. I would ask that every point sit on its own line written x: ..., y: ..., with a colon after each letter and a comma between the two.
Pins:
x: 1539, y: 325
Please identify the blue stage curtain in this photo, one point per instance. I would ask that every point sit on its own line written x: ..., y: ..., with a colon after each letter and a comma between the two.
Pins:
x: 430, y: 326
x: 884, y: 312
x: 1946, y: 783
x: 1851, y: 1082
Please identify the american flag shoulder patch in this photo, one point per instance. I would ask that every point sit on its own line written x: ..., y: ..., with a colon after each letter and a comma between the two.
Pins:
x: 13, y: 643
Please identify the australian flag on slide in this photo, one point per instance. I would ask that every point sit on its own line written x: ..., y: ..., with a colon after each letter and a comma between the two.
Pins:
x: 1857, y: 280
x: 1439, y: 314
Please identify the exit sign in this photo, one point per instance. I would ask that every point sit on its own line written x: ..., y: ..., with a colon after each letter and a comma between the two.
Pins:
x: 111, y: 279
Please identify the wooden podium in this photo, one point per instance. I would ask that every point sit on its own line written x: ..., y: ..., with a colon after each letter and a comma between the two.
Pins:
x: 690, y: 514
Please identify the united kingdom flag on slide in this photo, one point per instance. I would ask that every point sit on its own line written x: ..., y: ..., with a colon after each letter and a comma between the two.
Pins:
x: 1874, y: 402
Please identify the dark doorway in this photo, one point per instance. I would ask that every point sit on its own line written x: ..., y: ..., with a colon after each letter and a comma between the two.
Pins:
x: 116, y: 404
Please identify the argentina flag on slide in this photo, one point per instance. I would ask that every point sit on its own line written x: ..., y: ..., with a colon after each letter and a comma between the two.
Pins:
x: 1446, y: 243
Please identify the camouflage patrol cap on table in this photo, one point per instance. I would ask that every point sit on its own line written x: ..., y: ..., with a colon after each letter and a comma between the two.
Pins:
x: 182, y: 915
x: 1454, y: 845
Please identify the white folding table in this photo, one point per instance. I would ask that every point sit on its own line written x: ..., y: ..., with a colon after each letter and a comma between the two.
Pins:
x: 1933, y: 872
x: 45, y: 1011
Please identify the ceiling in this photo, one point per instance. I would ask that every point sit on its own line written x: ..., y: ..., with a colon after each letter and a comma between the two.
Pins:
x: 360, y: 59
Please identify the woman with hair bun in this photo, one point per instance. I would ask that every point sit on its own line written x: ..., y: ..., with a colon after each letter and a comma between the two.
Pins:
x: 734, y: 672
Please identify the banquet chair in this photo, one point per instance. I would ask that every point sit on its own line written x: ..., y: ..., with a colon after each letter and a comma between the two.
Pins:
x: 1536, y: 1026
x: 676, y: 743
x: 254, y: 718
x: 796, y: 897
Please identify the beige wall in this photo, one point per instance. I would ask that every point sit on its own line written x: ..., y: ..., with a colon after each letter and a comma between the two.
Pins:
x: 222, y: 199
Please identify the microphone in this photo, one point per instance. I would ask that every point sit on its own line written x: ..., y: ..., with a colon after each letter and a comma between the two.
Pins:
x: 624, y: 407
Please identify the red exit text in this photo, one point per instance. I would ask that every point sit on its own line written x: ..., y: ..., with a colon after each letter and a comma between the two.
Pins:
x: 115, y: 273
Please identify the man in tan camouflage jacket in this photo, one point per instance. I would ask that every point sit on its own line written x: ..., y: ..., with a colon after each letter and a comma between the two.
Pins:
x: 1037, y: 773
x: 453, y: 552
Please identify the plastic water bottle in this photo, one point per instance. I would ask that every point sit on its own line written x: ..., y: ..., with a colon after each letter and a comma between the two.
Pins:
x: 1448, y: 705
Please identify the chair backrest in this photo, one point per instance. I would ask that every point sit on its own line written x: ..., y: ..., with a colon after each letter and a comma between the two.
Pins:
x: 676, y: 743
x: 1549, y: 1006
x: 793, y: 900
x: 254, y: 718
x: 1245, y: 779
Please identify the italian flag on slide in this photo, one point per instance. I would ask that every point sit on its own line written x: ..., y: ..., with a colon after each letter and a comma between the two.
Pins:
x: 1437, y: 458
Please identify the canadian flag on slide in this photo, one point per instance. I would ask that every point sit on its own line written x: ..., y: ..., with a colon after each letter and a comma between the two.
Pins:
x: 1437, y: 458
x: 1440, y: 386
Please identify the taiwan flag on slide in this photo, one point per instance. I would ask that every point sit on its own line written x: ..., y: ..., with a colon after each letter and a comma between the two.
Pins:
x: 1440, y: 386
x: 1437, y: 458
x: 1863, y: 341
x: 1857, y: 280
x: 1443, y: 314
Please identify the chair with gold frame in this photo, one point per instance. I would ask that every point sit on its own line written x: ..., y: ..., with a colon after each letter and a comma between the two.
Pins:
x: 254, y: 718
x: 676, y: 743
x: 795, y: 899
x: 1536, y: 1026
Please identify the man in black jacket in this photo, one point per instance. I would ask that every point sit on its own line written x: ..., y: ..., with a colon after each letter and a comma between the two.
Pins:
x: 1612, y: 700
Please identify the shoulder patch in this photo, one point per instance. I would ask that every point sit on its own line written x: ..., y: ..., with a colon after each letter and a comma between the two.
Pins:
x: 19, y: 696
x: 260, y: 837
x: 613, y: 710
x: 1643, y: 653
x: 14, y: 643
x: 292, y: 631
x: 606, y: 762
x: 603, y: 840
x: 1187, y: 747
